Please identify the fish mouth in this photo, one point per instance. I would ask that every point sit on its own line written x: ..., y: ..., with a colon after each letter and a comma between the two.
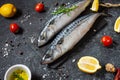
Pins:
x: 51, y: 55
x: 46, y: 60
x: 48, y: 57
x: 41, y: 42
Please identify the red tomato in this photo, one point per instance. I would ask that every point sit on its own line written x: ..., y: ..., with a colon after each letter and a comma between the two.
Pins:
x: 39, y: 7
x: 106, y: 41
x: 14, y: 28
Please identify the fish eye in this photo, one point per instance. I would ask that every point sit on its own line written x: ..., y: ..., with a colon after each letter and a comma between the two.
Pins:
x: 42, y: 37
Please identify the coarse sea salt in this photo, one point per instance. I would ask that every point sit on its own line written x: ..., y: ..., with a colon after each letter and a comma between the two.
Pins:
x: 5, y: 50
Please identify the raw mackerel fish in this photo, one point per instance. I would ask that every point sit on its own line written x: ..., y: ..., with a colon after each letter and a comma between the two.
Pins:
x: 69, y: 37
x: 56, y: 23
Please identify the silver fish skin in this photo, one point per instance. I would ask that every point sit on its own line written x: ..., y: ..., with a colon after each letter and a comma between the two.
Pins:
x: 56, y: 23
x: 69, y: 37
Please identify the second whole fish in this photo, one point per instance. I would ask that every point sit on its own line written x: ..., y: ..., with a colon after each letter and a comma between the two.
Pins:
x: 69, y: 37
x: 56, y: 23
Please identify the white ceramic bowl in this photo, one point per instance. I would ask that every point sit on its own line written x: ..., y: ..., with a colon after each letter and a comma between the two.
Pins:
x: 16, y: 67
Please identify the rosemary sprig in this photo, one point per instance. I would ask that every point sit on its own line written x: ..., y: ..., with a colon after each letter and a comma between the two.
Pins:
x: 63, y: 9
x: 16, y: 75
x: 109, y: 5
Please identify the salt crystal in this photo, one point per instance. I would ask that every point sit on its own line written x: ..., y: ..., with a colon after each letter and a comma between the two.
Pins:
x: 25, y: 18
x: 44, y: 75
x: 32, y: 39
x: 60, y: 78
x: 6, y: 45
x: 5, y: 53
x: 108, y: 76
x: 94, y: 30
x: 68, y: 3
x: 30, y: 23
x: 104, y: 33
x: 44, y: 69
x: 5, y: 49
x: 73, y: 60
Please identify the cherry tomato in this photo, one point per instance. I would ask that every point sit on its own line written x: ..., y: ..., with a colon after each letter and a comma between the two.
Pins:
x: 106, y: 41
x: 39, y: 7
x: 14, y: 28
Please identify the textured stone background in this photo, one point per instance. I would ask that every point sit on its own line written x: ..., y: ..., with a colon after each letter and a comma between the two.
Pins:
x: 22, y: 48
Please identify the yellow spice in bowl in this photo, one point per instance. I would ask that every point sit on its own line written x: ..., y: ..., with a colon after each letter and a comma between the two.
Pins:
x: 19, y: 75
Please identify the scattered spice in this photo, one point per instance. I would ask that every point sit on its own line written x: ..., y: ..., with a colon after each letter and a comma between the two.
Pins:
x: 41, y: 19
x: 63, y: 4
x: 73, y: 60
x: 36, y: 49
x: 94, y: 30
x: 10, y: 41
x: 23, y: 37
x: 66, y: 76
x: 44, y: 76
x: 5, y: 50
x: 18, y: 44
x: 6, y: 42
x: 25, y: 43
x: 110, y: 67
x: 12, y: 49
x: 21, y: 53
x: 12, y: 45
x: 42, y: 2
x: 56, y: 4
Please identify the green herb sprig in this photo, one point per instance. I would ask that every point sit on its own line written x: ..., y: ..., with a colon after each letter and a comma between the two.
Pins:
x: 16, y: 75
x: 63, y: 9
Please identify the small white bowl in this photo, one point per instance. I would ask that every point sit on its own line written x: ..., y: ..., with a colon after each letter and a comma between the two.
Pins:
x: 16, y: 67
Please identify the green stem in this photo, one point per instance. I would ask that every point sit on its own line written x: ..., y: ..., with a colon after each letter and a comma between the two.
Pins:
x: 63, y: 9
x: 16, y: 75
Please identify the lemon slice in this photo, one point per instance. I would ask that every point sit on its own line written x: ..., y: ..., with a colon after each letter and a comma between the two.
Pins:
x: 88, y: 64
x: 117, y: 25
x: 95, y: 6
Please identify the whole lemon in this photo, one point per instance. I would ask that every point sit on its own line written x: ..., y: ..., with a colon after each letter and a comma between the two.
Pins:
x: 8, y: 10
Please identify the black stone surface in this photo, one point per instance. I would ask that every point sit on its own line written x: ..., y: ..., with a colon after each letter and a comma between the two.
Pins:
x: 21, y: 50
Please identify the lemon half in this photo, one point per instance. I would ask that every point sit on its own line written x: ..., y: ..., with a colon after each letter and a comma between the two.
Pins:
x: 95, y: 6
x: 88, y: 64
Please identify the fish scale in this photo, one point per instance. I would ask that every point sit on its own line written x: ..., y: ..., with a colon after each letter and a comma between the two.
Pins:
x: 69, y: 29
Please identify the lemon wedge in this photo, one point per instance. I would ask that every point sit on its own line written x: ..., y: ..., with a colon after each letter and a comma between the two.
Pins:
x: 88, y: 64
x: 8, y: 10
x: 117, y: 25
x: 95, y: 6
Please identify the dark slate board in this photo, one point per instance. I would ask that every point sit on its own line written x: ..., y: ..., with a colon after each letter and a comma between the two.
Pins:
x: 22, y: 51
